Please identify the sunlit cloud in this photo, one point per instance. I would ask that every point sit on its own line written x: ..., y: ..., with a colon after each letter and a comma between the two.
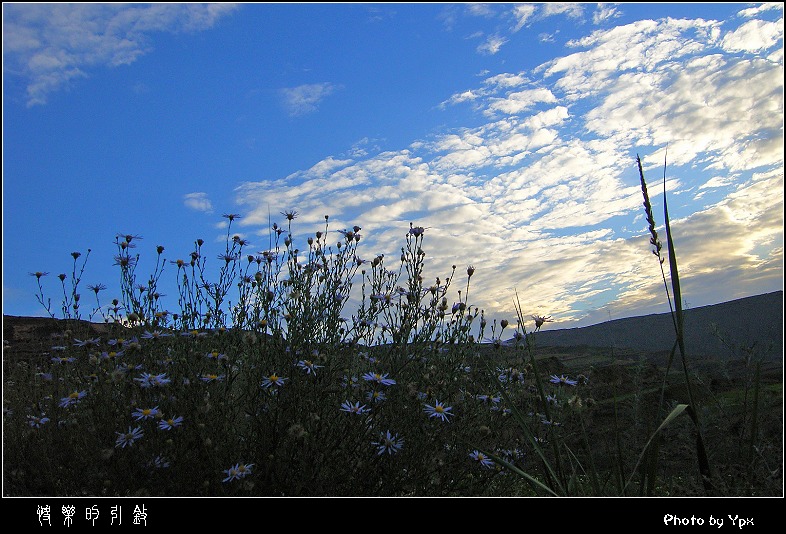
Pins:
x: 753, y: 36
x: 528, y: 202
x: 48, y: 46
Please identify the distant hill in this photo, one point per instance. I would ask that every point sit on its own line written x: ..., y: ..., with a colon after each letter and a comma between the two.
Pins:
x: 748, y: 322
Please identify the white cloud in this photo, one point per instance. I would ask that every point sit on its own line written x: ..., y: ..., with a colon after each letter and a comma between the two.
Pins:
x: 305, y: 99
x: 517, y: 102
x: 753, y: 36
x: 198, y: 201
x: 466, y: 96
x: 753, y: 11
x: 50, y: 45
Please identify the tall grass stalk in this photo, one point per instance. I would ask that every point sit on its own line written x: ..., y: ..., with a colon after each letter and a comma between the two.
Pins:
x: 679, y: 324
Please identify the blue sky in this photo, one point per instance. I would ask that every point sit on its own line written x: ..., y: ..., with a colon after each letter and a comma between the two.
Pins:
x: 509, y: 131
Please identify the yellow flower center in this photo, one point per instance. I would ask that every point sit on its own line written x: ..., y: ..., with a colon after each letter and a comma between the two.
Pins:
x: 439, y: 409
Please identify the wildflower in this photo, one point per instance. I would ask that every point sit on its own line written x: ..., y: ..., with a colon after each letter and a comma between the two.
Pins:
x: 144, y: 413
x: 155, y: 334
x: 228, y: 258
x: 386, y: 297
x: 347, y: 382
x: 111, y: 354
x: 159, y: 462
x: 350, y: 234
x: 148, y: 380
x: 38, y: 274
x: 37, y: 422
x: 273, y: 380
x: 388, y: 443
x: 438, y: 410
x: 481, y: 458
x: 212, y: 378
x: 289, y: 214
x: 63, y: 359
x: 356, y: 408
x: 561, y: 380
x: 417, y: 231
x: 124, y: 261
x: 379, y: 378
x: 128, y: 237
x: 231, y: 474
x: 94, y: 342
x: 244, y: 469
x: 308, y: 366
x: 72, y: 399
x: 169, y: 424
x: 129, y: 437
x: 511, y: 375
x: 96, y: 288
x: 552, y: 399
x: 540, y: 320
x: 231, y: 216
x: 194, y: 334
x: 215, y: 356
x: 237, y: 471
x: 489, y: 399
x: 376, y: 396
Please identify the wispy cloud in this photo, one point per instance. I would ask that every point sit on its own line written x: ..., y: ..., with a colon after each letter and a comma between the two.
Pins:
x: 48, y: 46
x: 604, y: 12
x: 305, y: 99
x: 522, y: 13
x: 521, y: 196
x: 198, y: 202
x: 492, y: 44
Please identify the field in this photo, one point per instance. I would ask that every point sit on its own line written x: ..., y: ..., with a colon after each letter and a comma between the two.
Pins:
x: 604, y: 425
